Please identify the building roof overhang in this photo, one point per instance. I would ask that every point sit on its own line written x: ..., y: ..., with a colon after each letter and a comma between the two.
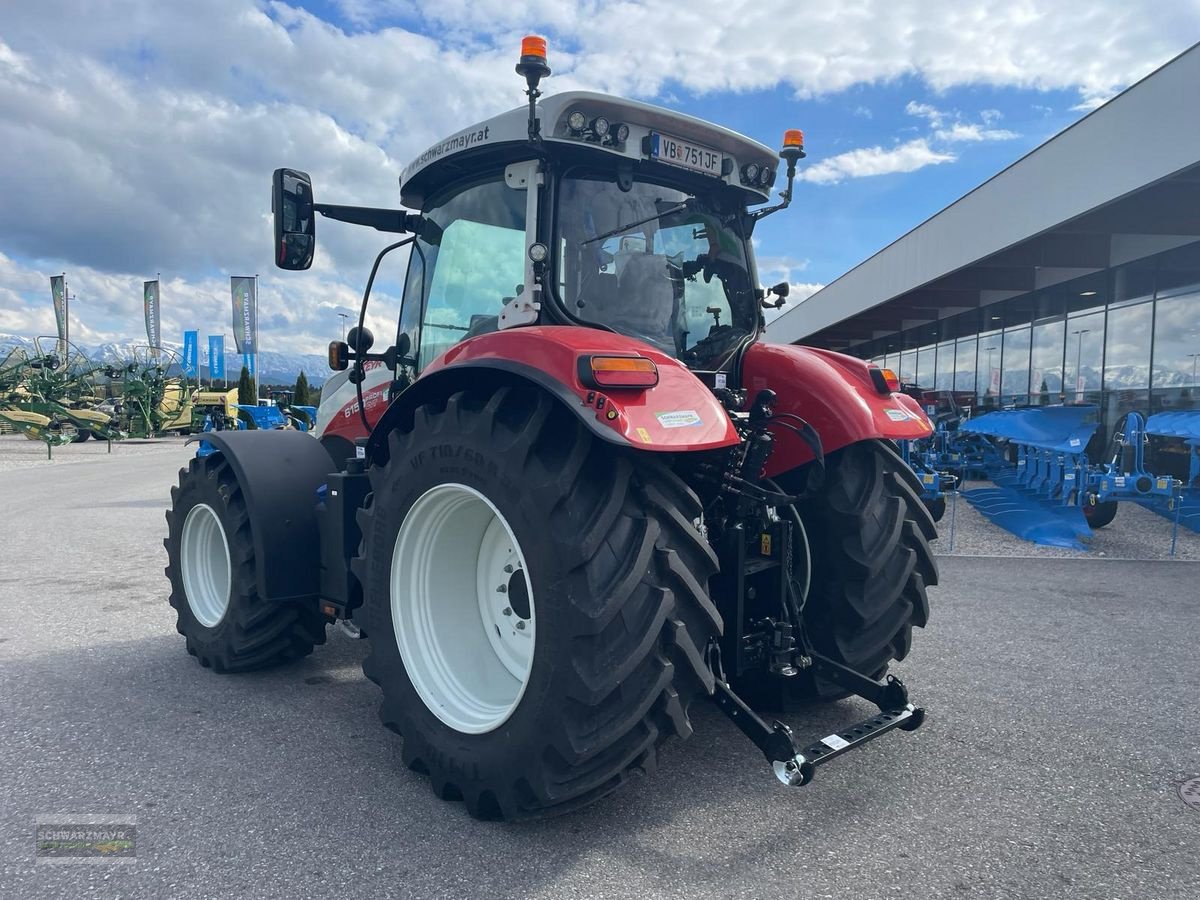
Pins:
x: 1120, y: 184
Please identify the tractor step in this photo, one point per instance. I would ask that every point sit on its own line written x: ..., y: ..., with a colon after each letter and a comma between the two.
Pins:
x: 794, y: 766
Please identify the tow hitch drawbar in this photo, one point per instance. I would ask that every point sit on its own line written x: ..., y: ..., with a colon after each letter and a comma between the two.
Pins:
x: 794, y: 766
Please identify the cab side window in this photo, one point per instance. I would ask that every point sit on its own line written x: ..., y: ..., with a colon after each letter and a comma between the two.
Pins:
x: 474, y: 261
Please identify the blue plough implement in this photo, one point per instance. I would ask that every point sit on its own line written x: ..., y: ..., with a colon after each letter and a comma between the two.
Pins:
x: 1046, y: 490
x: 1179, y: 431
x: 1038, y: 475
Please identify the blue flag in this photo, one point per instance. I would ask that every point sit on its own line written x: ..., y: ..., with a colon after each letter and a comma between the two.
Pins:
x: 248, y: 362
x: 216, y: 356
x: 190, y: 341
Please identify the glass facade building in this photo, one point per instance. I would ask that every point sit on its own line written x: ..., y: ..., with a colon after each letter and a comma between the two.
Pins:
x: 1124, y: 338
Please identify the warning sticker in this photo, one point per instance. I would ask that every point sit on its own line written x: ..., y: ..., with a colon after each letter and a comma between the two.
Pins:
x: 679, y: 418
x: 835, y: 742
x: 644, y: 435
x: 897, y: 415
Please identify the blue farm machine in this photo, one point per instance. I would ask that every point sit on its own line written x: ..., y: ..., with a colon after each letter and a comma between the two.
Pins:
x: 1045, y: 488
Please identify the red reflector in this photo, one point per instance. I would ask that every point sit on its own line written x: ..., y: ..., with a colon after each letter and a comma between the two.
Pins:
x: 891, y: 380
x: 622, y: 371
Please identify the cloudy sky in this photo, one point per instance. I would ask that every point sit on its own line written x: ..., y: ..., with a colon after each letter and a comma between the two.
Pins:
x: 138, y: 136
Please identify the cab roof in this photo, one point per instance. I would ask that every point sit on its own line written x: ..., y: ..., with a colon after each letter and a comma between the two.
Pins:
x: 506, y: 135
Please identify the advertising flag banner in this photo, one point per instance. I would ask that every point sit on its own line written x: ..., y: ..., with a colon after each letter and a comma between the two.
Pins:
x: 191, y: 340
x: 245, y: 313
x: 248, y: 362
x: 216, y: 357
x: 150, y: 302
x: 58, y: 290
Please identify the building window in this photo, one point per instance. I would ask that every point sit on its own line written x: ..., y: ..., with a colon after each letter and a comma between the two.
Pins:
x: 1127, y: 350
x: 987, y: 370
x: 944, y: 377
x: 1177, y: 341
x: 908, y: 367
x: 964, y: 364
x: 1014, y: 383
x: 925, y: 367
x: 1046, y: 362
x: 1085, y: 355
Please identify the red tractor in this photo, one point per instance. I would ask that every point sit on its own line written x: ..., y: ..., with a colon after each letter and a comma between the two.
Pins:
x: 578, y: 491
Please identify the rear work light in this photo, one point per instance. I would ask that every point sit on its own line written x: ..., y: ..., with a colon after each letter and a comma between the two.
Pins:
x: 617, y: 371
x: 885, y: 380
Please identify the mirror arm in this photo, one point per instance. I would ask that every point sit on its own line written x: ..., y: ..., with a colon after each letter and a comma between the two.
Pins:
x: 395, y: 221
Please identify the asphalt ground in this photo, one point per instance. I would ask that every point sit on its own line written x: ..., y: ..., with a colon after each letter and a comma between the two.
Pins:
x: 1062, y: 698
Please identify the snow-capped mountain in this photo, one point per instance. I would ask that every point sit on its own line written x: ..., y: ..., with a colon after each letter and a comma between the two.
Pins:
x: 274, y: 368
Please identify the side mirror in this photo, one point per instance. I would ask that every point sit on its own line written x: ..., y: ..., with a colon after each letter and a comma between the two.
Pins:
x: 292, y: 214
x: 360, y: 340
x: 781, y: 291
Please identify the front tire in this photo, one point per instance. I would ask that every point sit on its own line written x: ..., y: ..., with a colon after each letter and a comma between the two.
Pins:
x: 597, y: 554
x: 212, y: 569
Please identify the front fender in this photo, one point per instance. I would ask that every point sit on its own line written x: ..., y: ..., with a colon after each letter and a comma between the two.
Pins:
x: 678, y: 414
x: 279, y: 473
x: 832, y: 392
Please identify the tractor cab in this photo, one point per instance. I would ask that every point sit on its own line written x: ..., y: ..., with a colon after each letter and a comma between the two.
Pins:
x: 622, y: 217
x: 581, y: 209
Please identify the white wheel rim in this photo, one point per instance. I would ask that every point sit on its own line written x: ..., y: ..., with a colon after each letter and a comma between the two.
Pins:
x: 463, y: 608
x: 204, y: 565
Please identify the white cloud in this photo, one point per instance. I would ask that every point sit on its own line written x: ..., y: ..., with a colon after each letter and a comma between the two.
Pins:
x: 798, y: 293
x: 959, y: 132
x: 779, y: 268
x: 868, y: 161
x: 925, y: 111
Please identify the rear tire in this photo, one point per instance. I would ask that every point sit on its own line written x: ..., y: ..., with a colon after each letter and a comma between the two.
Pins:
x: 615, y: 574
x: 212, y: 569
x: 869, y: 537
x: 80, y: 436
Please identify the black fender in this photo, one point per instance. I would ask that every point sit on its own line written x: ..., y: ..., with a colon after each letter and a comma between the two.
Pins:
x: 279, y: 473
x: 447, y: 381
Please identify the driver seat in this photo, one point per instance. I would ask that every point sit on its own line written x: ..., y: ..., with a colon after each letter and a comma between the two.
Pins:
x: 645, y: 305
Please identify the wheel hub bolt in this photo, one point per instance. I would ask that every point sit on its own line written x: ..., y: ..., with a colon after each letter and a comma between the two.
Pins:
x: 508, y: 568
x: 520, y: 625
x: 508, y: 610
x: 503, y: 589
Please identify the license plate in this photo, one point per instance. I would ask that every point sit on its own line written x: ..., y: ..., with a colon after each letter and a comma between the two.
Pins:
x: 685, y: 154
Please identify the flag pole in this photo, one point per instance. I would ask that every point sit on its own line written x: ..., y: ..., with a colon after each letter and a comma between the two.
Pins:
x: 66, y: 316
x: 256, y: 353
